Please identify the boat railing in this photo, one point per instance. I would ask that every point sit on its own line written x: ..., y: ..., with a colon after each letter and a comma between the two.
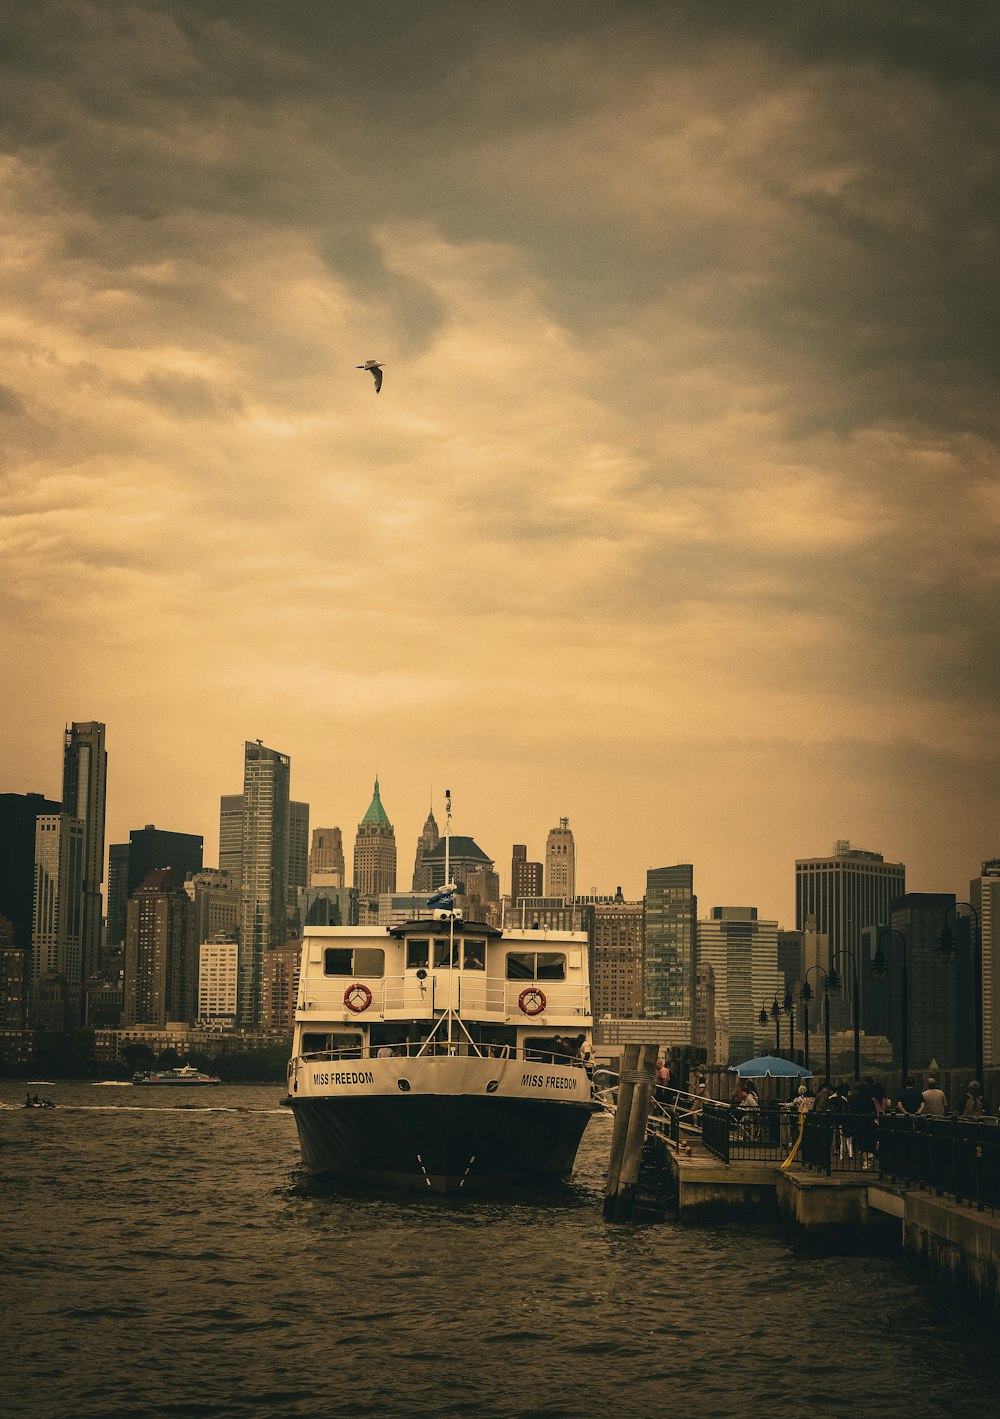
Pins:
x: 474, y: 1049
x: 468, y: 991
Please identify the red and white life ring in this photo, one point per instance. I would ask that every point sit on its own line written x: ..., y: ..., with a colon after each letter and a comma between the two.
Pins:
x: 531, y: 1001
x: 357, y: 997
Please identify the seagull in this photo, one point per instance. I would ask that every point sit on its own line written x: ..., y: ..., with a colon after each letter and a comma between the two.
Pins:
x: 376, y: 372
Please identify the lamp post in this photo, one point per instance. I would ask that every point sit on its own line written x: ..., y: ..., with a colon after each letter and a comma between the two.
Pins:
x: 776, y: 1017
x: 880, y: 969
x: 789, y: 1006
x: 834, y: 983
x: 947, y: 946
x: 807, y: 994
x: 789, y: 1003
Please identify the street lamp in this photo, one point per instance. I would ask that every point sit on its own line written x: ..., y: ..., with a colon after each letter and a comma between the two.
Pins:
x: 789, y: 1006
x: 807, y: 994
x: 834, y: 984
x: 947, y: 945
x: 880, y: 970
x: 776, y: 1017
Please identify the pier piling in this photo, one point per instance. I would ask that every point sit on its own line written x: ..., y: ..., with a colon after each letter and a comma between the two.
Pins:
x: 635, y: 1093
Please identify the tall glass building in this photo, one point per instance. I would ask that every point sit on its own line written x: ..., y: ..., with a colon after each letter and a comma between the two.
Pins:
x: 669, y: 944
x: 85, y: 772
x: 263, y: 868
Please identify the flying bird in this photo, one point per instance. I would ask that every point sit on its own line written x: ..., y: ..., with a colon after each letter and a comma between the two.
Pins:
x: 375, y: 369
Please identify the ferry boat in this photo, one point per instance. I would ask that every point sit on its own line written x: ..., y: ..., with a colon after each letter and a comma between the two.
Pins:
x: 184, y: 1074
x: 441, y: 1055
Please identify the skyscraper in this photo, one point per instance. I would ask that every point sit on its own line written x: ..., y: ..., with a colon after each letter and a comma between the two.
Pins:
x: 984, y: 894
x: 161, y: 957
x: 298, y: 845
x: 326, y: 858
x: 231, y: 834
x: 742, y: 951
x: 85, y: 770
x: 114, y: 928
x: 18, y: 814
x: 150, y: 848
x: 560, y: 862
x: 428, y: 839
x: 57, y: 916
x: 845, y: 893
x: 374, y: 858
x: 939, y: 991
x: 264, y: 865
x: 669, y: 952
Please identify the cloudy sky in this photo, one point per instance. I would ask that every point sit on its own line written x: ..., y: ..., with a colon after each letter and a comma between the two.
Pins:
x: 677, y: 513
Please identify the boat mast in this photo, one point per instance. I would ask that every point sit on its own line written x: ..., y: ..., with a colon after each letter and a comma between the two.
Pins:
x: 451, y: 915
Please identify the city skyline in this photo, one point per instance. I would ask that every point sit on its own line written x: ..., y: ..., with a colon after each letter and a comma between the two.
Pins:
x: 677, y: 512
x: 630, y: 876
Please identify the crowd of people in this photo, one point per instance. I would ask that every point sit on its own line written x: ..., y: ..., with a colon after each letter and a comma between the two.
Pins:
x: 868, y: 1098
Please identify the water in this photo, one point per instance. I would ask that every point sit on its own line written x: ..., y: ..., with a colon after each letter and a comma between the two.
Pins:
x: 164, y: 1255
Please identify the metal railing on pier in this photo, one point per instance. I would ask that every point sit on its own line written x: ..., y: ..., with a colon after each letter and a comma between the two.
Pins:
x: 955, y: 1157
x: 748, y: 1135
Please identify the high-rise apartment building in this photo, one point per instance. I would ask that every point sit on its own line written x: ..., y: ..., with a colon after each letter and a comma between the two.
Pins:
x: 669, y: 949
x: 280, y: 987
x: 85, y: 771
x: 742, y: 951
x: 19, y: 813
x: 13, y: 982
x: 560, y: 862
x: 161, y: 958
x: 845, y: 893
x: 526, y: 878
x: 57, y: 916
x: 427, y: 841
x: 217, y: 902
x: 218, y: 977
x: 617, y: 951
x: 263, y: 868
x: 326, y: 858
x: 984, y: 896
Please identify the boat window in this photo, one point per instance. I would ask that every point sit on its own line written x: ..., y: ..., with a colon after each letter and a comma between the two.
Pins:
x: 441, y: 951
x: 536, y: 965
x: 474, y: 955
x: 417, y: 949
x: 325, y: 1043
x: 364, y: 961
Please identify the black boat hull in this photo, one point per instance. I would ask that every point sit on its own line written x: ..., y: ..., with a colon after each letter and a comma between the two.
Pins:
x: 440, y: 1143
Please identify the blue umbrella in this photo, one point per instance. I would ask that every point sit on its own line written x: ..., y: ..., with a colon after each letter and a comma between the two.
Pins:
x: 769, y: 1065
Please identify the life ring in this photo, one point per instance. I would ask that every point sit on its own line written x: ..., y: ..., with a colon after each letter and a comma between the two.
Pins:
x: 531, y: 1001
x: 357, y: 997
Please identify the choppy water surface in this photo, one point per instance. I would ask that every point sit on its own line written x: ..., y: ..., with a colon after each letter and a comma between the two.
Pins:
x: 163, y: 1254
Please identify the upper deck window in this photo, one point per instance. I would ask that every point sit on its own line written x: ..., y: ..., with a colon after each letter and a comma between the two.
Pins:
x: 356, y: 961
x: 536, y: 965
x: 417, y: 952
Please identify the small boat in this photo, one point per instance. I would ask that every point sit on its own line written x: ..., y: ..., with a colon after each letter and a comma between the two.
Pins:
x: 184, y: 1074
x: 37, y: 1103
